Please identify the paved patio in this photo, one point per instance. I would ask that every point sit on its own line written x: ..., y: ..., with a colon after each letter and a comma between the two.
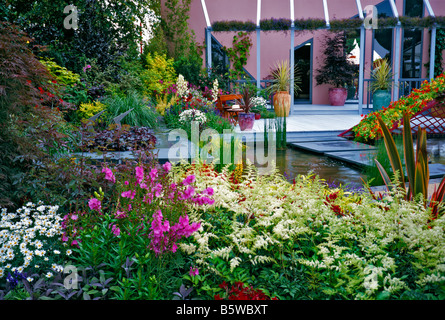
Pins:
x: 318, y: 118
x: 313, y: 123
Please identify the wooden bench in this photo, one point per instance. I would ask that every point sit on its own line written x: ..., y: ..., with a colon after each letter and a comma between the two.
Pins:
x: 226, y: 110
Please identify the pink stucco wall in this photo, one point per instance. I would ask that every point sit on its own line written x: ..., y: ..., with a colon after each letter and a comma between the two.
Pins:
x: 276, y: 45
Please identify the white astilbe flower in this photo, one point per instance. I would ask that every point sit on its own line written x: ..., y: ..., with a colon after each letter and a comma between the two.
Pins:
x: 234, y: 262
x: 431, y: 278
x: 393, y: 285
x: 187, y: 248
x: 215, y: 90
x: 181, y: 87
x: 187, y: 116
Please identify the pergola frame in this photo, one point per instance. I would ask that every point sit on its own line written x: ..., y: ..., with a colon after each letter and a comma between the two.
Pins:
x: 397, y: 54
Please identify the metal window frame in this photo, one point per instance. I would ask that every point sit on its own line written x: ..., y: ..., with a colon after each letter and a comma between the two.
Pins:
x: 311, y: 41
x: 397, y: 41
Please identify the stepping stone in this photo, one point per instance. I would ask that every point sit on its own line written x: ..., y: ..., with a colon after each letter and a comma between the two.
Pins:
x: 332, y: 146
x: 315, y: 139
x: 173, y: 154
x: 360, y: 158
x: 437, y: 170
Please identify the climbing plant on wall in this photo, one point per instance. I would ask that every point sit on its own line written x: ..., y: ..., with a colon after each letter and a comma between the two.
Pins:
x: 239, y: 53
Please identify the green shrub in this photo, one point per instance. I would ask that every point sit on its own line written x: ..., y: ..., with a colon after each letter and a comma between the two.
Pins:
x: 63, y: 75
x: 159, y: 75
x: 143, y: 114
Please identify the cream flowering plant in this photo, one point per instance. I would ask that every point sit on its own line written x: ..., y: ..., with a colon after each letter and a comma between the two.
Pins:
x: 327, y: 243
x: 30, y: 241
x: 187, y: 116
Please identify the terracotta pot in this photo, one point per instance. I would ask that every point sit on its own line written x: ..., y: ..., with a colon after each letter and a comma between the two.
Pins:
x: 246, y: 120
x: 257, y: 116
x: 281, y: 103
x: 337, y: 96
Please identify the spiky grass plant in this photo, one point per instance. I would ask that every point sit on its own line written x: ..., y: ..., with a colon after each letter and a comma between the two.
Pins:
x: 282, y: 78
x: 382, y: 76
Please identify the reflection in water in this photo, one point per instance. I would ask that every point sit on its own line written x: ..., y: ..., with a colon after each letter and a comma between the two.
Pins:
x: 293, y: 162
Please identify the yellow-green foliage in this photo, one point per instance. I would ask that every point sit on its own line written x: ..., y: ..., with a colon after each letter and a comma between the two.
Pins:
x: 87, y: 110
x: 63, y: 75
x: 159, y: 75
x: 163, y: 104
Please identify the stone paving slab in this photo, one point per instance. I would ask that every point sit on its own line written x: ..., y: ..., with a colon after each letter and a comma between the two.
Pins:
x: 314, y: 139
x: 358, y: 158
x: 437, y: 170
x: 332, y: 146
x: 173, y: 154
x: 362, y: 158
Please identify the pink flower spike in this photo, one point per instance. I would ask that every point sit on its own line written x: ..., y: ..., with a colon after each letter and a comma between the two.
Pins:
x: 128, y: 194
x: 189, y: 180
x: 115, y: 230
x: 95, y: 204
x: 167, y: 166
x: 139, y: 174
x: 194, y: 271
x: 153, y: 174
x: 109, y: 174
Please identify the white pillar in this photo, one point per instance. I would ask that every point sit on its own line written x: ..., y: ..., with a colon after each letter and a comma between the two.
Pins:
x: 361, y: 77
x: 258, y: 59
x: 209, y: 50
x: 292, y: 57
x: 292, y: 66
x: 326, y: 13
x: 432, y: 51
x: 397, y: 57
x: 258, y: 46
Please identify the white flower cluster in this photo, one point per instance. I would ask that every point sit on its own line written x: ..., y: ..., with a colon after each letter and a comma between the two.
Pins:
x: 187, y: 116
x: 258, y: 102
x: 357, y: 245
x: 24, y: 237
x: 181, y: 86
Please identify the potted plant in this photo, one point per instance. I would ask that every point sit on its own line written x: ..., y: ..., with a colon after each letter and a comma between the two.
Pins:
x: 281, y: 77
x: 246, y: 118
x: 336, y: 70
x: 381, y: 84
x: 258, y: 106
